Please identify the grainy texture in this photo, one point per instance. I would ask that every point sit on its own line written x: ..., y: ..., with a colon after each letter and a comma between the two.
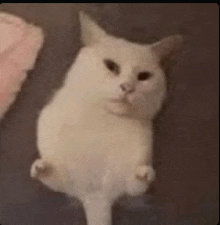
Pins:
x: 186, y: 134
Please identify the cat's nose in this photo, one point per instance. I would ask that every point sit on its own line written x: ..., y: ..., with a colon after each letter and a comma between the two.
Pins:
x: 127, y: 87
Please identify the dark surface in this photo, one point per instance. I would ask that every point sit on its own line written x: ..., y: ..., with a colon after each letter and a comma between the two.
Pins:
x: 186, y: 135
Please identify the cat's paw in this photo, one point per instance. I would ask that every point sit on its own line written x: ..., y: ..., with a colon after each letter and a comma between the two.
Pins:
x: 145, y: 173
x: 138, y: 182
x: 39, y: 169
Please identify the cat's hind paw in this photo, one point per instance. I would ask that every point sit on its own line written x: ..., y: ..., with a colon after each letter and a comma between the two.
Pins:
x: 39, y: 169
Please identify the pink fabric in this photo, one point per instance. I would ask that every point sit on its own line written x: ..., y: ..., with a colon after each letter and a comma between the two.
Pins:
x: 20, y: 43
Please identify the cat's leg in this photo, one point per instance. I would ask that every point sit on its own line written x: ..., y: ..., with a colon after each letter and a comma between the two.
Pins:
x: 44, y: 172
x: 138, y: 182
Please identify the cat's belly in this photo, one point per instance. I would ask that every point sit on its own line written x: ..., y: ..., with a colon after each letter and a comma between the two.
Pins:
x: 94, y: 165
x: 96, y: 175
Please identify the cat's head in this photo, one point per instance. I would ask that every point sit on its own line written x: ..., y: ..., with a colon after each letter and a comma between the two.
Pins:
x: 126, y: 78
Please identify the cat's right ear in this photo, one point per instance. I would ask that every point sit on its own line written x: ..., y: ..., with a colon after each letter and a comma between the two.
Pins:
x: 168, y: 46
x: 91, y: 32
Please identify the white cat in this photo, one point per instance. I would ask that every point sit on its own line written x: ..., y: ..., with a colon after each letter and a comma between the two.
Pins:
x: 95, y: 136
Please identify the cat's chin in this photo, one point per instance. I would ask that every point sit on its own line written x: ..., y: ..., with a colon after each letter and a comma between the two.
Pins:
x: 120, y: 108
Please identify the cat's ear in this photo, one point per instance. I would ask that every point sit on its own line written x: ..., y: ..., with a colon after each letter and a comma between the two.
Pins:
x: 91, y: 32
x: 167, y: 47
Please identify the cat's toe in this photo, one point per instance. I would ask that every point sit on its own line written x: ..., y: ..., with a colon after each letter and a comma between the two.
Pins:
x: 39, y: 168
x: 145, y: 173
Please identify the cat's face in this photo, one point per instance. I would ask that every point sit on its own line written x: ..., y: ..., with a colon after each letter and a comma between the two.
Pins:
x: 126, y: 78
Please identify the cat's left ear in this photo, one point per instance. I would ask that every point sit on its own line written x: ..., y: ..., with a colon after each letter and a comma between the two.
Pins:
x: 167, y: 47
x: 91, y: 32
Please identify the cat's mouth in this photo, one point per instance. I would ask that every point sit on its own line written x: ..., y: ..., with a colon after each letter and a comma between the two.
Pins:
x: 119, y: 106
x: 120, y: 100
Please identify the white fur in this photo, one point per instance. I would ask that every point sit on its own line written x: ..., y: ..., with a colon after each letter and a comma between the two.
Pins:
x: 99, y: 147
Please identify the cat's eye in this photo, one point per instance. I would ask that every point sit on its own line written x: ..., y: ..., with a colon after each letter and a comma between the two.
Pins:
x: 144, y: 76
x: 112, y: 66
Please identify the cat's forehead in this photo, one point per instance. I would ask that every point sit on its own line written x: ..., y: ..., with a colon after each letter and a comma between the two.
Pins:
x: 126, y: 52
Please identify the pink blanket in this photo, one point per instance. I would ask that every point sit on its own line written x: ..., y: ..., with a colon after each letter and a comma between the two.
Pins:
x: 20, y: 43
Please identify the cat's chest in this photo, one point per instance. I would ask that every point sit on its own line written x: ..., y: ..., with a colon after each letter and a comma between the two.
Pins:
x: 89, y: 133
x: 95, y: 143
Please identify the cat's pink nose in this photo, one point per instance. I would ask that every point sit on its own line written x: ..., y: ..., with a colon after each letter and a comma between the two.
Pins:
x: 127, y: 87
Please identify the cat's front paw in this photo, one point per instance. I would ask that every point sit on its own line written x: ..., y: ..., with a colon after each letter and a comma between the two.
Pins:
x: 39, y: 169
x: 145, y: 173
x: 139, y: 181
